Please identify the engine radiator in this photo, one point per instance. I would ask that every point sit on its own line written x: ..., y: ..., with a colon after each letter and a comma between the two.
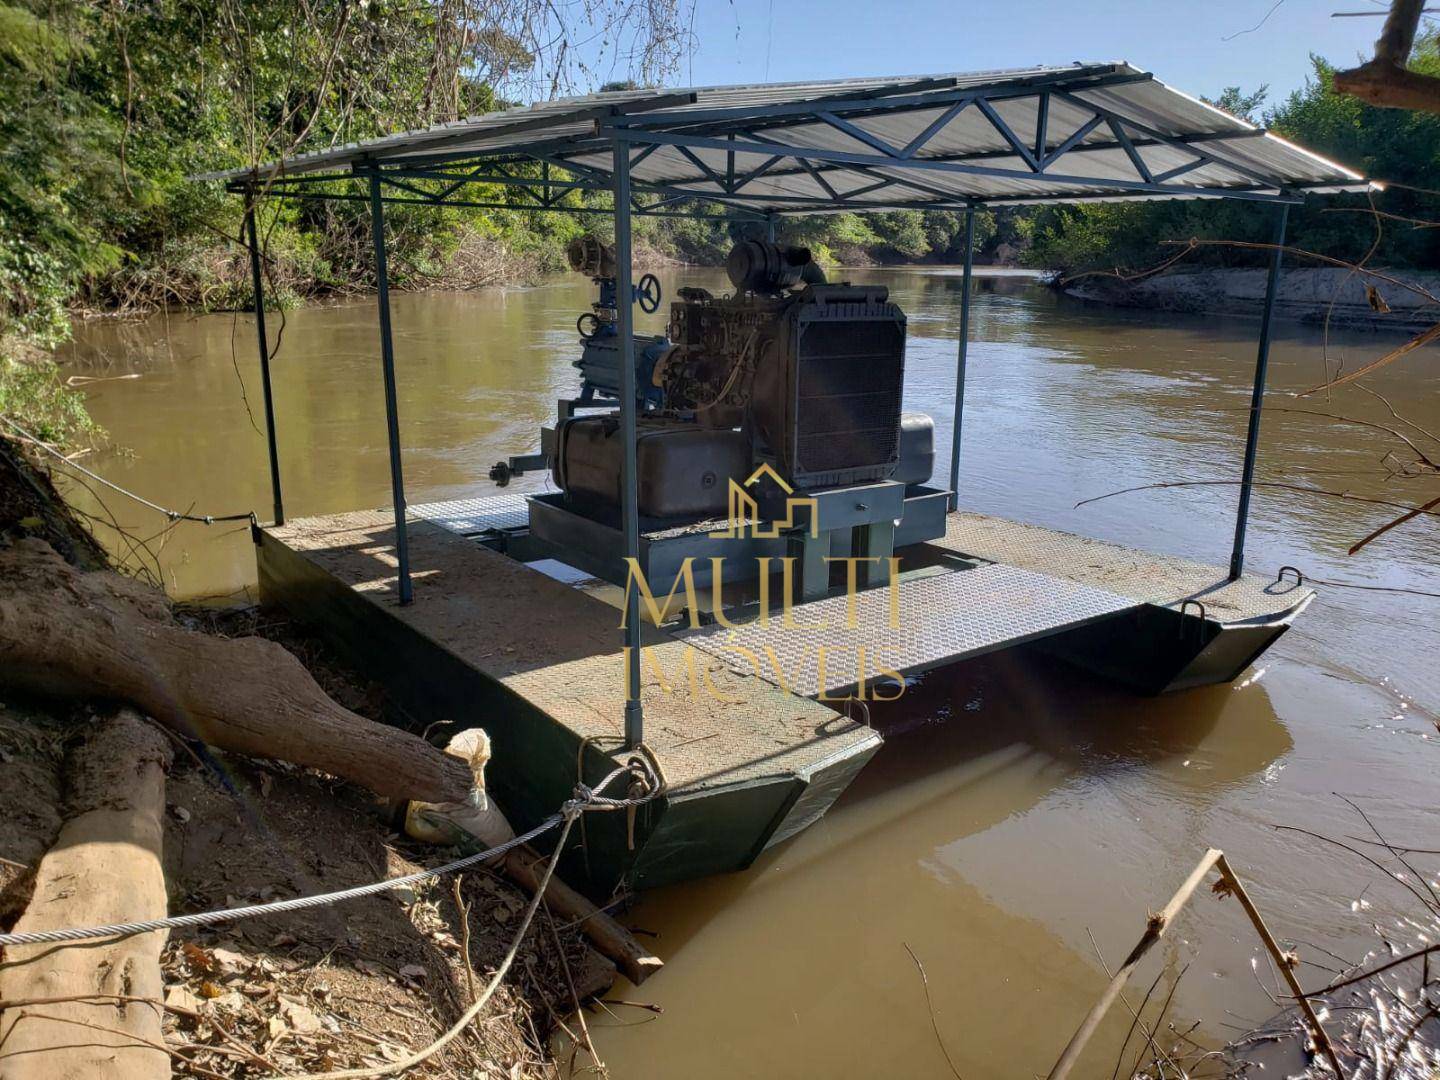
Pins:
x: 831, y: 411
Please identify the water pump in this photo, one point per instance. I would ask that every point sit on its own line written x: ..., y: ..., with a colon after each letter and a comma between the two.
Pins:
x: 788, y: 371
x: 599, y: 362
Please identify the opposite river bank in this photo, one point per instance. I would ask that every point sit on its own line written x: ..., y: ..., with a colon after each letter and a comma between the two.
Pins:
x: 1382, y: 300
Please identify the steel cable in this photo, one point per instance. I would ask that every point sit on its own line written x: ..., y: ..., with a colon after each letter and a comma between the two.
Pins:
x: 173, y: 515
x: 585, y: 799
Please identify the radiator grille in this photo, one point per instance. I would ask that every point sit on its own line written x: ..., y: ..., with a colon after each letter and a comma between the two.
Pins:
x: 849, y: 376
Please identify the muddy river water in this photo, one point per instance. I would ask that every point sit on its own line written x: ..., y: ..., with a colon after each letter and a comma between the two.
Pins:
x: 1021, y: 816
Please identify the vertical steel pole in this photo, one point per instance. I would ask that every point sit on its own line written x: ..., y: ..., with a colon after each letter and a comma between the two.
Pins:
x: 960, y: 360
x: 1257, y: 398
x: 630, y: 499
x: 770, y: 227
x: 257, y: 282
x: 387, y: 367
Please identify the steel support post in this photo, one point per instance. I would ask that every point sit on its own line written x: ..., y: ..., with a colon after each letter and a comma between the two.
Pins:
x: 629, y: 494
x: 257, y: 281
x: 1257, y: 397
x: 960, y: 360
x: 770, y: 227
x: 387, y: 367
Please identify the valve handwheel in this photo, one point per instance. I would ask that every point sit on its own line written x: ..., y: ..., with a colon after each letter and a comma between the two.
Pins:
x: 588, y: 324
x: 647, y: 294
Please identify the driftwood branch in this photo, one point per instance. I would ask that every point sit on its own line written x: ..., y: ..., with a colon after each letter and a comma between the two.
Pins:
x: 524, y: 866
x: 1228, y: 885
x: 1155, y: 928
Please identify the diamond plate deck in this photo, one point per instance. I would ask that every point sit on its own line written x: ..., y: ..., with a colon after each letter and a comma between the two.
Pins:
x: 560, y: 650
x: 915, y: 625
x: 471, y: 516
x: 1164, y: 580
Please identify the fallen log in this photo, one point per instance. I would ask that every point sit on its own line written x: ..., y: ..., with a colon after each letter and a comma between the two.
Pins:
x: 105, y: 867
x: 71, y: 633
x: 66, y: 632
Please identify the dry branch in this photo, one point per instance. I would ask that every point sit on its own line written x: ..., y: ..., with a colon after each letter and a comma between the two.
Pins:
x: 1420, y: 340
x: 1229, y: 884
x: 523, y: 866
x: 1385, y: 80
x: 1155, y: 927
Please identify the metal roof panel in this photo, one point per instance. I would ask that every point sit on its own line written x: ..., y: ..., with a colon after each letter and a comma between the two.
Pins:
x: 915, y: 130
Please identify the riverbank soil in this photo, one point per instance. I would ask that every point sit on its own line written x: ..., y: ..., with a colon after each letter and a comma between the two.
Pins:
x: 1307, y: 294
x: 357, y: 984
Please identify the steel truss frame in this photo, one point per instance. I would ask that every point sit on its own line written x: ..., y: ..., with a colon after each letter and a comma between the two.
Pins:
x: 764, y: 131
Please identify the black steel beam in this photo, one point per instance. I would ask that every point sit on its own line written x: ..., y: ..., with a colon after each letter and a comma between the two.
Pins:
x: 629, y: 480
x: 598, y: 180
x: 387, y: 368
x: 813, y: 154
x: 736, y: 214
x: 1257, y: 398
x: 960, y: 360
x: 257, y: 282
x: 1198, y: 151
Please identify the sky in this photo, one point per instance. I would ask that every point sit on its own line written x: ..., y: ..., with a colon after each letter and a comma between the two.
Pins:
x: 1198, y: 47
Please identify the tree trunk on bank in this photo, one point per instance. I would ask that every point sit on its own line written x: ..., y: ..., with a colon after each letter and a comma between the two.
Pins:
x: 92, y: 635
x: 100, y: 635
x: 105, y: 867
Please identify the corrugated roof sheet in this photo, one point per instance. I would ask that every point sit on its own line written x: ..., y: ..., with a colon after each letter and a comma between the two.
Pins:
x: 900, y: 141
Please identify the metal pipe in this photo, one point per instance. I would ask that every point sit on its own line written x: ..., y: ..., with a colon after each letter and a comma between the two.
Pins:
x: 1257, y: 398
x: 960, y: 360
x: 629, y: 495
x: 387, y: 367
x: 257, y: 282
x: 770, y: 227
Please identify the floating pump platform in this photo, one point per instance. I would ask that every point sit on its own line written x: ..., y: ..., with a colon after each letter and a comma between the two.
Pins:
x: 790, y: 385
x: 752, y: 752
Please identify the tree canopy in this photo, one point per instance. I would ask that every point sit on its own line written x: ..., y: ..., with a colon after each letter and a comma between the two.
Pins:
x: 1398, y: 147
x: 106, y: 106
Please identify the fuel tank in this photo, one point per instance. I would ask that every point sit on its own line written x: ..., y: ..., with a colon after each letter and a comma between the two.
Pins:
x: 682, y: 470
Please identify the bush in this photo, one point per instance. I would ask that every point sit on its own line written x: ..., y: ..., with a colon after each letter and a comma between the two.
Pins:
x: 33, y: 395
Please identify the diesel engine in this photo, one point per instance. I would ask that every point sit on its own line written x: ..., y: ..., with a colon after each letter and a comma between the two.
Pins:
x: 789, y: 370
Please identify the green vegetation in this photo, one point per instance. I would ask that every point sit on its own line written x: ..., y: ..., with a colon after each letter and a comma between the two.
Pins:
x: 1393, y: 145
x: 105, y: 108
